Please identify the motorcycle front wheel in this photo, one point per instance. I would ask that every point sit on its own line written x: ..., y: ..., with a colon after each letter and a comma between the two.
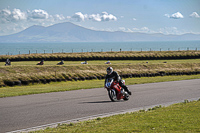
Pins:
x: 112, y: 95
x: 126, y: 97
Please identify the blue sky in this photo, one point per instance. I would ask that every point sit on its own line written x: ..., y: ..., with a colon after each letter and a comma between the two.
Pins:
x: 146, y: 16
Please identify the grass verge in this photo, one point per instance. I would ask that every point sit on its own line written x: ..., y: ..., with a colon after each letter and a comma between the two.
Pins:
x: 179, y: 118
x: 73, y: 85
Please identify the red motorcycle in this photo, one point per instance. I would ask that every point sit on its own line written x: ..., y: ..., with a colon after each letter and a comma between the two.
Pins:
x: 115, y: 91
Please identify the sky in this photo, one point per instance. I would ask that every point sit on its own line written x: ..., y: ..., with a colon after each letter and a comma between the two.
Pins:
x: 145, y: 16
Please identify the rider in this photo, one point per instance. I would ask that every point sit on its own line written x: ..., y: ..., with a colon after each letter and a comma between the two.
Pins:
x: 114, y: 75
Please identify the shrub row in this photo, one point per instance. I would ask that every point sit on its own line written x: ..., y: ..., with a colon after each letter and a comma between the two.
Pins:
x: 100, y: 77
x: 104, y: 56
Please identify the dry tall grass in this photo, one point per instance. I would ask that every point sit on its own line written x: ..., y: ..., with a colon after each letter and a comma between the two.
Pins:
x: 68, y: 72
x: 105, y: 55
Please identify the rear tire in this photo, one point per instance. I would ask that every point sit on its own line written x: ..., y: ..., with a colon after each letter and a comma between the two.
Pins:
x: 112, y: 95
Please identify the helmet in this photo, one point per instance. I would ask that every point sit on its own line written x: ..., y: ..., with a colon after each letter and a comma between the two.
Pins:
x: 109, y: 70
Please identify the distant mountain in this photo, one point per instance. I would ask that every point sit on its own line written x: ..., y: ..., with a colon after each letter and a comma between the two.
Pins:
x: 68, y: 32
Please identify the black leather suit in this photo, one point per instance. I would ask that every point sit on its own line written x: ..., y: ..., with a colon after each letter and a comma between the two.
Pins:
x: 114, y: 75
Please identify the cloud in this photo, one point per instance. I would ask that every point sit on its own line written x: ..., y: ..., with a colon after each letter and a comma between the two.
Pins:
x: 16, y: 15
x: 165, y: 30
x: 38, y: 14
x: 107, y: 17
x: 167, y: 15
x: 122, y: 29
x: 8, y: 16
x: 59, y: 17
x: 177, y: 15
x: 169, y: 30
x: 78, y: 16
x: 104, y: 16
x: 12, y: 21
x: 194, y: 15
x: 139, y: 30
x: 134, y: 19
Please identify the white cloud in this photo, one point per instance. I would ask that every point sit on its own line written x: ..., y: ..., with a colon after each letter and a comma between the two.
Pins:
x: 8, y: 16
x: 194, y: 15
x: 39, y: 14
x: 5, y: 15
x: 140, y: 30
x: 176, y: 15
x: 107, y: 17
x: 165, y: 30
x: 167, y: 15
x: 134, y: 19
x: 104, y: 16
x: 122, y: 29
x: 17, y: 14
x: 95, y: 17
x: 12, y: 21
x: 78, y: 16
x: 58, y: 17
x: 168, y: 30
x: 143, y: 30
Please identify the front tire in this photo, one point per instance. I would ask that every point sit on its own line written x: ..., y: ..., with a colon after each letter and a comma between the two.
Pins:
x: 112, y: 95
x: 126, y: 97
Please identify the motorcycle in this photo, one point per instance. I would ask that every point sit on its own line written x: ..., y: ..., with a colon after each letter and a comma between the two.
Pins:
x: 115, y: 91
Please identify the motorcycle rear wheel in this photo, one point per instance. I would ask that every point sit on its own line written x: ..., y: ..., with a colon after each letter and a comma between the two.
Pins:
x: 112, y: 95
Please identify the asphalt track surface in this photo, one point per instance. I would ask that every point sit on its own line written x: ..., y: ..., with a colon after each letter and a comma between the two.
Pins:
x: 24, y: 112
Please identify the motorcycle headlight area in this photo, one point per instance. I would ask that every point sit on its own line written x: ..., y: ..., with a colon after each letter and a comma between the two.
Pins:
x: 108, y: 84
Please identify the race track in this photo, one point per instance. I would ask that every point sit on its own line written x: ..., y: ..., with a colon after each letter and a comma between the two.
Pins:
x: 24, y: 112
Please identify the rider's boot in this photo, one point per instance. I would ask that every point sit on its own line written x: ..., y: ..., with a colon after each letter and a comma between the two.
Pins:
x: 126, y: 89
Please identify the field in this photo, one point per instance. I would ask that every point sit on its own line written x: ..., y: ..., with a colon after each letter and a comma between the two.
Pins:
x: 87, y: 84
x: 178, y: 118
x: 27, y: 72
x: 24, y: 77
x: 22, y: 73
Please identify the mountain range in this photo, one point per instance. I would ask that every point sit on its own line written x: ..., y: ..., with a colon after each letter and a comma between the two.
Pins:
x: 69, y: 32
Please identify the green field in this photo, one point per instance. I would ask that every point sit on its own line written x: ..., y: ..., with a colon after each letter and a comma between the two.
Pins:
x: 88, y: 84
x: 177, y: 118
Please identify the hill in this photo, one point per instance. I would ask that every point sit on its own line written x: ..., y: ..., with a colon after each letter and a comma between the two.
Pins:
x: 68, y: 32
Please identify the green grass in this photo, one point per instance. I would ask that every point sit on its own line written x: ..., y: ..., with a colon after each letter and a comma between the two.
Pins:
x: 102, y: 62
x: 177, y: 118
x: 73, y: 85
